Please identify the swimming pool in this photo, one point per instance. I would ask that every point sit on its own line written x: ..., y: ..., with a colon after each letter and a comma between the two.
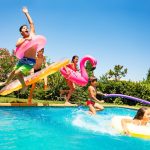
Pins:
x: 50, y: 128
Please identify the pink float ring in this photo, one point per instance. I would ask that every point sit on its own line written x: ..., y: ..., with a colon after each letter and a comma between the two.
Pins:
x: 38, y: 41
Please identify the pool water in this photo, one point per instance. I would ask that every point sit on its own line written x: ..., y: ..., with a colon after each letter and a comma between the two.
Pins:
x: 50, y: 128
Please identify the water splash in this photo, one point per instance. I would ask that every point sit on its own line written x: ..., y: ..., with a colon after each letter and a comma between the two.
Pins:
x: 100, y: 123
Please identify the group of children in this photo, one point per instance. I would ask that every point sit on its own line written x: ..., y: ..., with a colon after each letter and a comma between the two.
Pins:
x: 32, y: 62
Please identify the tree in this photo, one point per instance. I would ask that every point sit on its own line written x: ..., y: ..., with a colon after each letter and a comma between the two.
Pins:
x: 89, y: 69
x: 104, y: 78
x: 117, y: 73
x: 7, y: 62
x: 148, y: 76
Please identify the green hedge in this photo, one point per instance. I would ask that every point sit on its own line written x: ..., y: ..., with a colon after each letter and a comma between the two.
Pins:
x: 56, y: 83
x: 135, y: 89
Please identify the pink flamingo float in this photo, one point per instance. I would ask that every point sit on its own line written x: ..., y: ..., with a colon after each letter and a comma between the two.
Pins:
x: 79, y: 78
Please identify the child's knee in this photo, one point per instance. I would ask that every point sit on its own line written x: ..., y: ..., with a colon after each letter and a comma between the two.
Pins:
x: 98, y: 106
x: 102, y: 108
x: 18, y: 72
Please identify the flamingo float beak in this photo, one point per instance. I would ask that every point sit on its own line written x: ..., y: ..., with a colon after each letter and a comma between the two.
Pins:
x: 94, y: 65
x: 93, y: 68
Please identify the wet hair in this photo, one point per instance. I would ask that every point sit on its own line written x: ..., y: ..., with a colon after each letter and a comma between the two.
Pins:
x: 74, y: 58
x: 42, y: 50
x: 20, y: 29
x: 92, y: 79
x: 140, y: 113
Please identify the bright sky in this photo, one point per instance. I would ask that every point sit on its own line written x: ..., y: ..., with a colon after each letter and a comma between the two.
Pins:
x: 113, y: 31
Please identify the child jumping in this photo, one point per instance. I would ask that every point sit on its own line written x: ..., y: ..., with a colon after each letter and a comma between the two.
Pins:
x: 40, y: 60
x: 25, y: 64
x: 142, y: 117
x: 71, y: 85
x: 93, y: 106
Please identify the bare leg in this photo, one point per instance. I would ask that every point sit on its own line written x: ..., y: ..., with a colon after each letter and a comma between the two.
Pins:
x: 72, y: 89
x: 45, y: 83
x: 69, y: 95
x: 31, y: 94
x: 98, y: 107
x: 21, y: 79
x: 64, y: 93
x: 12, y: 75
x: 92, y: 109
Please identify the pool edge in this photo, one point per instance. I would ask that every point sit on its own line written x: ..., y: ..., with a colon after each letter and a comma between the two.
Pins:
x: 60, y: 105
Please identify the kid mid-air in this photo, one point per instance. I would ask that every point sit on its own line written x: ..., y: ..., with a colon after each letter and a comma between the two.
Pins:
x: 26, y: 63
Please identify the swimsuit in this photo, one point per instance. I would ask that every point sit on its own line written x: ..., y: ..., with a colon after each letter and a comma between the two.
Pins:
x: 71, y: 67
x: 90, y: 102
x: 25, y: 64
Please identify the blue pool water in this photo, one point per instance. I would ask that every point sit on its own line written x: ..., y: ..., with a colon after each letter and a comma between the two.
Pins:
x: 47, y: 128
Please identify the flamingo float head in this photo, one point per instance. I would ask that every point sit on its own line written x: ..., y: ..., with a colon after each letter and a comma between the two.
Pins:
x: 92, y: 60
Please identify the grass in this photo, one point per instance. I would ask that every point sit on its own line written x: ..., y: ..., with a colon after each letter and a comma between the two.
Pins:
x: 47, y: 102
x: 19, y: 100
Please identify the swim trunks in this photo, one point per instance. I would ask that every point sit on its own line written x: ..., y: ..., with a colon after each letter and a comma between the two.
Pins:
x: 25, y: 64
x: 88, y: 102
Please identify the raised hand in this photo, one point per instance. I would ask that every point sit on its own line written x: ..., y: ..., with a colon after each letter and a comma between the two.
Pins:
x: 25, y: 10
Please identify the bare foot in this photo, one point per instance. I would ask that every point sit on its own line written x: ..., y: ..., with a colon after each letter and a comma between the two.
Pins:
x: 90, y: 113
x: 29, y: 100
x: 29, y: 103
x: 67, y: 103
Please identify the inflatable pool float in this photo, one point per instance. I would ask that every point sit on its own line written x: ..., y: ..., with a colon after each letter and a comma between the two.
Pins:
x: 38, y: 41
x: 128, y: 97
x: 134, y: 130
x: 79, y: 78
x: 16, y: 85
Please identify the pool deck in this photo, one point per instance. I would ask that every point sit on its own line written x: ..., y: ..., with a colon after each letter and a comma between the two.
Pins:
x: 61, y: 105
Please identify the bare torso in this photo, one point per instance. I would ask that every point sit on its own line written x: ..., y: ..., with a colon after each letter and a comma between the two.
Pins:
x: 93, y: 89
x: 31, y: 52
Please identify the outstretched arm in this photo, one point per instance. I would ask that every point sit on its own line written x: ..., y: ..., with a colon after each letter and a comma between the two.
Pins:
x: 92, y: 94
x: 25, y: 11
x: 124, y: 123
x: 100, y: 93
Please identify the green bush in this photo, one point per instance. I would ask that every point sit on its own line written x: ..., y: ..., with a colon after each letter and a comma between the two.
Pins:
x: 7, y: 62
x: 56, y: 82
x: 135, y: 89
x: 118, y: 101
